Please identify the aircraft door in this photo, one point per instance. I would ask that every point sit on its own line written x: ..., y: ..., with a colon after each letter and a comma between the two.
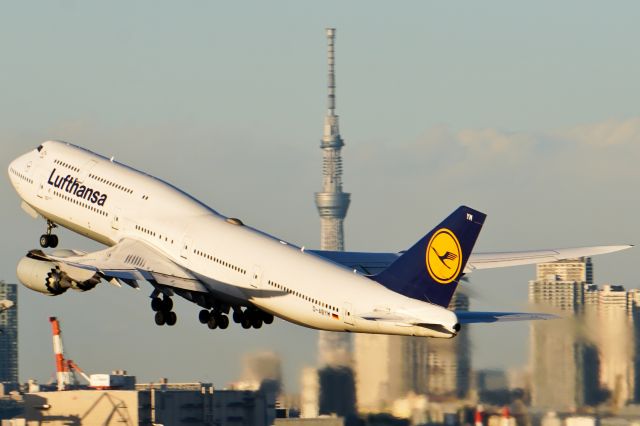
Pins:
x: 116, y: 223
x: 41, y: 181
x: 347, y: 314
x: 186, y: 246
x: 256, y: 277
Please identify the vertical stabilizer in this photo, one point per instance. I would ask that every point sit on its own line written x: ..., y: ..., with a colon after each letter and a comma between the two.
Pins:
x: 431, y: 269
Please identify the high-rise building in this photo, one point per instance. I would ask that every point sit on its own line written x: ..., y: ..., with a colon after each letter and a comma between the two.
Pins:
x: 564, y: 373
x: 337, y: 392
x: 9, y: 334
x: 261, y: 367
x: 389, y: 368
x: 309, y: 393
x: 448, y: 370
x: 379, y: 367
x: 334, y: 349
x: 612, y: 323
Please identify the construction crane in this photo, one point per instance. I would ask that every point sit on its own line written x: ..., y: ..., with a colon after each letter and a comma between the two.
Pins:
x: 66, y: 369
x: 63, y: 373
x: 72, y: 366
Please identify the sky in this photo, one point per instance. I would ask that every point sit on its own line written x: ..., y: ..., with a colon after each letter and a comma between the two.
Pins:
x: 527, y: 112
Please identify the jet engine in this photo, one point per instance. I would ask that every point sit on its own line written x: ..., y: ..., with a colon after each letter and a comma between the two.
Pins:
x: 52, y: 279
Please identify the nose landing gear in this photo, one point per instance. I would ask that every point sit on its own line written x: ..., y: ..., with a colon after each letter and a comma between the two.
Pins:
x: 49, y: 239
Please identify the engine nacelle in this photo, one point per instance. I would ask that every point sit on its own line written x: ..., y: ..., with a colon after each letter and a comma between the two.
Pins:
x: 47, y: 277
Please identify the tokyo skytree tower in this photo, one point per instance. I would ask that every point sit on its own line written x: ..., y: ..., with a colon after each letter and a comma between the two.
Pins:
x: 334, y: 349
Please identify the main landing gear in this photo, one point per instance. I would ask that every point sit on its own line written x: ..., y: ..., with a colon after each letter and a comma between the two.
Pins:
x: 247, y: 318
x: 251, y: 317
x: 163, y: 308
x: 49, y: 239
x: 214, y: 319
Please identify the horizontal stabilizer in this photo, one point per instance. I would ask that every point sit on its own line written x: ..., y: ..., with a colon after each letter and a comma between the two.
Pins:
x: 466, y: 317
x: 501, y: 260
x: 373, y: 263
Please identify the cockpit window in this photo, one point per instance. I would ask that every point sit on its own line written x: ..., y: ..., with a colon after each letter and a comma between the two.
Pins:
x: 39, y: 148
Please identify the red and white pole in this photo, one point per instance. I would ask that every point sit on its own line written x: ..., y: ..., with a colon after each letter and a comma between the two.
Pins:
x: 63, y: 374
x: 477, y: 421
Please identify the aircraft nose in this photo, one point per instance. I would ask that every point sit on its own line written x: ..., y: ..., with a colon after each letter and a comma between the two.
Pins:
x: 12, y: 170
x: 18, y: 171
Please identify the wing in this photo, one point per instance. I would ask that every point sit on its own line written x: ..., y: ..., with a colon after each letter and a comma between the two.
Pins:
x: 466, y: 317
x: 373, y: 263
x: 128, y: 261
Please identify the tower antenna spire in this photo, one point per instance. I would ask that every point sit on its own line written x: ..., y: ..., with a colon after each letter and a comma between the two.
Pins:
x: 331, y: 81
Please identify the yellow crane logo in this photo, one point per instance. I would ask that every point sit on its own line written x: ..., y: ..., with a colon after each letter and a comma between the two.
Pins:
x: 444, y: 256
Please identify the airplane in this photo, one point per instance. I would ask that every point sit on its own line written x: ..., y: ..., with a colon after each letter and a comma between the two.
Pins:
x: 157, y: 233
x: 5, y: 305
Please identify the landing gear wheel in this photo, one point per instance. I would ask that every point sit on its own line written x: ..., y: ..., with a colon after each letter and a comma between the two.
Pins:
x: 160, y: 318
x: 167, y: 304
x: 171, y: 318
x: 212, y: 323
x: 246, y: 324
x: 237, y: 316
x: 267, y: 318
x: 48, y: 239
x: 256, y: 322
x: 204, y: 316
x: 156, y: 304
x: 223, y: 322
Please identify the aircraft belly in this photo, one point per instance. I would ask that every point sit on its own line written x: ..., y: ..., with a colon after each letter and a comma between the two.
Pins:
x: 224, y: 291
x: 287, y: 308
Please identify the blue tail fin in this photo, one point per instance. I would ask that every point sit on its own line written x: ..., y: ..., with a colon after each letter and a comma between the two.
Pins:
x: 431, y: 269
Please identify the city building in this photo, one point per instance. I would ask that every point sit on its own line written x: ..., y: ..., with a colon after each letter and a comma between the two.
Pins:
x: 448, y: 370
x: 155, y: 403
x: 328, y: 391
x: 309, y: 393
x: 611, y: 318
x: 379, y: 366
x: 388, y: 368
x: 337, y: 392
x: 9, y: 333
x: 562, y: 373
x: 261, y: 370
x: 596, y: 346
x: 318, y: 421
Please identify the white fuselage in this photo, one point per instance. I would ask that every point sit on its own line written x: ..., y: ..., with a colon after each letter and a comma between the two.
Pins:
x: 107, y: 201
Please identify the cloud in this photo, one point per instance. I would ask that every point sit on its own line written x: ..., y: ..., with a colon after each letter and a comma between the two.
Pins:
x: 606, y: 150
x: 605, y: 134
